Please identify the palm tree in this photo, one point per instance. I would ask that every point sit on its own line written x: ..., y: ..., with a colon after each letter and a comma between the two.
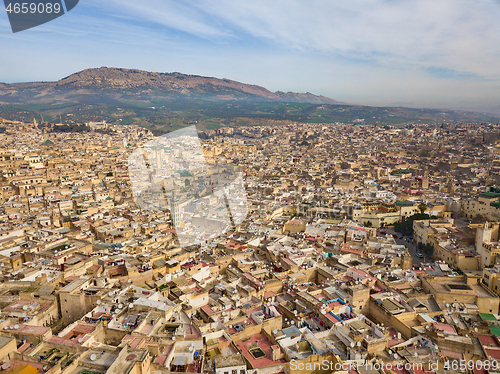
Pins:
x: 422, y: 207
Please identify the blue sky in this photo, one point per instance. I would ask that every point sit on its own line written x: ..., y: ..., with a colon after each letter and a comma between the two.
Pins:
x: 428, y: 53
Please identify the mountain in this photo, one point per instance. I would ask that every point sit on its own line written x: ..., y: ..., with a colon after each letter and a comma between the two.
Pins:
x: 168, y: 101
x: 132, y: 81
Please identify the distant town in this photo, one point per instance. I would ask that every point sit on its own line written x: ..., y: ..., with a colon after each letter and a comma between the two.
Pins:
x: 354, y: 249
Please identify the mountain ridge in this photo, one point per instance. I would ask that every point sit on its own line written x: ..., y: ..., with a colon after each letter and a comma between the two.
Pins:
x: 105, y: 78
x: 168, y: 101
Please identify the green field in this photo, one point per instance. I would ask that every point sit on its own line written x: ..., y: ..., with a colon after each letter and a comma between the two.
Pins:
x: 164, y: 111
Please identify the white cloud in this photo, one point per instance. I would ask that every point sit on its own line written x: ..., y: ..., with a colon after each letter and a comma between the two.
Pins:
x: 460, y: 35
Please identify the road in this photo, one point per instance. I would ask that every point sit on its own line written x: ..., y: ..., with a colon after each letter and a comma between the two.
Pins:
x: 412, y: 246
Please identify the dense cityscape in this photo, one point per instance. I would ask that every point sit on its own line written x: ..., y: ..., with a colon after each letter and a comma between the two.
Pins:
x: 343, y: 248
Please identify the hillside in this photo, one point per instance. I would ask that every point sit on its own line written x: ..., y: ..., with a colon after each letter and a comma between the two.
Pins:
x: 166, y: 101
x: 137, y: 82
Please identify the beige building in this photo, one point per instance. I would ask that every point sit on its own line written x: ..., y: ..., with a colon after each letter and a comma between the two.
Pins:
x: 487, y: 245
x: 486, y: 204
x: 295, y: 226
x: 491, y: 278
x: 461, y: 289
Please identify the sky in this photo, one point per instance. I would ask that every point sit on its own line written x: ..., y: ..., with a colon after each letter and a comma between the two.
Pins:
x: 422, y: 53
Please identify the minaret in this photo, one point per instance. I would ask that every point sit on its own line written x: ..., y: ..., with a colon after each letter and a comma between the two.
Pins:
x: 159, y: 158
x: 109, y: 142
x: 174, y: 210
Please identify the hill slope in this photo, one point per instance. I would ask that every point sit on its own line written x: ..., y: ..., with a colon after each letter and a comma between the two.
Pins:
x: 133, y: 81
x: 166, y: 101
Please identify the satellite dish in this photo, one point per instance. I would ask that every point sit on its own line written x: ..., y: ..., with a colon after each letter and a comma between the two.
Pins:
x: 80, y: 340
x: 98, y: 302
x: 110, y: 293
x: 93, y: 357
x: 120, y: 306
x: 358, y: 344
x: 130, y: 305
x: 173, y: 337
x: 130, y: 280
x: 25, y: 307
x: 16, y: 327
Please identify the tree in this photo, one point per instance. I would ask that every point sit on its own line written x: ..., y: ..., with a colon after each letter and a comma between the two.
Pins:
x: 406, y: 226
x: 367, y: 224
x: 428, y: 249
x: 422, y: 207
x: 425, y: 153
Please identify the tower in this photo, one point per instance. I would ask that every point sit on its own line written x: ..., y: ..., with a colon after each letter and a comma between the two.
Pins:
x: 159, y: 159
x: 173, y: 203
x: 407, y: 262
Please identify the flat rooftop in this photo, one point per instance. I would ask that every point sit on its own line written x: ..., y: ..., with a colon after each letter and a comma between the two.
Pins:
x: 257, y: 341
